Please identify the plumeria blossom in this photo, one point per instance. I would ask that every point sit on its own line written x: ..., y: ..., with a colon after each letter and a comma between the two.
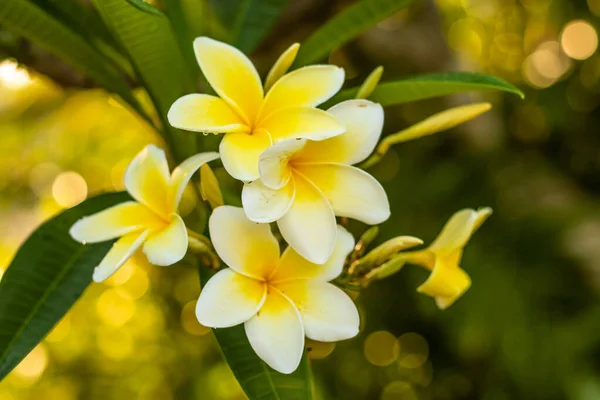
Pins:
x: 151, y: 221
x: 280, y: 300
x: 251, y: 119
x: 305, y: 184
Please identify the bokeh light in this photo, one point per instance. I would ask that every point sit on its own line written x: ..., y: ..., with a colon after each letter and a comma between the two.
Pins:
x: 12, y: 76
x: 381, y: 348
x: 579, y: 40
x: 69, y: 189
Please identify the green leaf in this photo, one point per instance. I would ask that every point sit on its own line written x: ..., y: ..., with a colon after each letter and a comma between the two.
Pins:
x: 345, y: 26
x: 248, y: 21
x: 46, y: 277
x: 28, y: 20
x: 429, y: 86
x: 257, y: 379
x: 148, y: 39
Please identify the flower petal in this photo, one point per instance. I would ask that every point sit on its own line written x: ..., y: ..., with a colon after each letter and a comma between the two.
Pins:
x: 352, y: 192
x: 266, y: 205
x: 328, y: 314
x: 293, y: 266
x: 232, y: 76
x: 281, y: 66
x: 204, y: 113
x: 304, y: 87
x: 240, y: 153
x: 276, y: 333
x: 456, y: 232
x: 446, y: 283
x: 363, y: 121
x: 309, y: 225
x: 245, y: 246
x: 273, y: 163
x: 121, y: 251
x: 302, y: 122
x: 147, y: 179
x: 183, y: 173
x: 229, y: 298
x: 169, y: 245
x: 114, y: 222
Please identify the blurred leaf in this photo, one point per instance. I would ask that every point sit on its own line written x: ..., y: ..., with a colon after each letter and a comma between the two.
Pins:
x: 248, y: 21
x: 256, y: 378
x: 148, y: 39
x: 345, y: 26
x: 46, y: 277
x: 429, y: 86
x: 24, y: 18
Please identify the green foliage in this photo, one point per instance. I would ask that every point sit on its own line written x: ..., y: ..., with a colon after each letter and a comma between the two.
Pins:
x: 248, y: 21
x: 46, y: 277
x: 345, y: 26
x: 32, y: 22
x: 256, y: 378
x: 148, y: 39
x: 430, y: 86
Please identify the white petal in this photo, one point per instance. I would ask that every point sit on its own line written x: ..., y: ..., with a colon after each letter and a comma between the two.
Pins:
x: 273, y: 163
x: 183, y: 173
x: 352, y: 192
x: 309, y: 226
x: 265, y: 205
x: 169, y: 245
x: 276, y: 333
x: 245, y: 246
x: 229, y: 299
x: 328, y: 314
x: 147, y: 179
x: 293, y: 266
x: 121, y: 251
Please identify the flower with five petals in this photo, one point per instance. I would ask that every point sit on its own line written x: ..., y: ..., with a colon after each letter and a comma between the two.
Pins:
x: 252, y: 120
x: 151, y: 221
x: 305, y: 184
x: 280, y: 300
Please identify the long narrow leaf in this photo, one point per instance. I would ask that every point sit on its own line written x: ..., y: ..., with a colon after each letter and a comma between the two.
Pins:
x: 429, y: 86
x: 345, y: 26
x: 146, y: 35
x: 48, y: 274
x: 256, y: 378
x: 28, y: 20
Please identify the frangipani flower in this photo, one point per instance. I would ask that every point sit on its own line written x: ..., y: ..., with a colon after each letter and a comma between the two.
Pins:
x: 447, y: 281
x: 251, y: 120
x: 305, y: 184
x: 151, y: 221
x: 280, y: 300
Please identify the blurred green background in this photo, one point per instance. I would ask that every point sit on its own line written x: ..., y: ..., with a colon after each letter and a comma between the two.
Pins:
x: 529, y: 327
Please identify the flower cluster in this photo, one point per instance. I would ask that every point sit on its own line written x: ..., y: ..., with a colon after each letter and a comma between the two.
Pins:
x: 297, y: 164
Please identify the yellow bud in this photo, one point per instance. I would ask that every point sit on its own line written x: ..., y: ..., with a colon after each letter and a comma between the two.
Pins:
x: 385, y: 252
x: 370, y: 83
x: 209, y: 187
x: 283, y: 63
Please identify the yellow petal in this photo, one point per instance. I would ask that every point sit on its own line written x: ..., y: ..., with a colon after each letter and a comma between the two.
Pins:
x: 266, y: 205
x: 369, y: 85
x: 120, y: 252
x: 245, y: 246
x: 114, y: 222
x: 281, y: 66
x: 352, y: 192
x: 232, y: 75
x: 168, y: 245
x: 304, y: 87
x: 209, y: 187
x: 363, y: 121
x: 482, y: 214
x: 276, y: 333
x: 446, y: 283
x: 147, y: 179
x: 273, y: 163
x: 183, y: 173
x: 309, y: 226
x: 293, y: 266
x: 456, y: 232
x: 204, y: 113
x: 229, y: 299
x: 240, y: 153
x: 302, y: 122
x: 328, y: 314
